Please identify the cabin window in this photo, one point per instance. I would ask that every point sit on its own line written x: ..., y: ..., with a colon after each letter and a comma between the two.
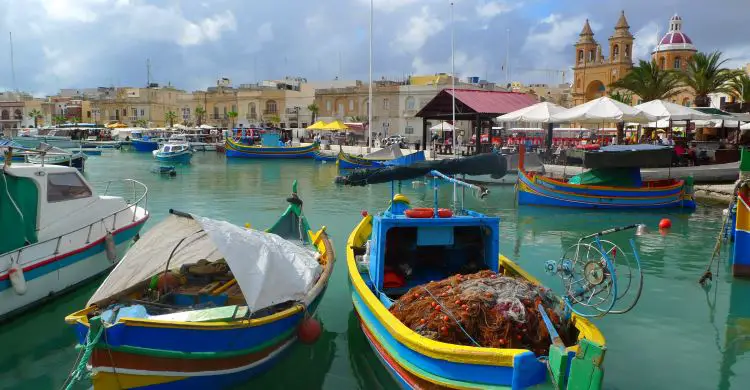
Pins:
x: 66, y: 186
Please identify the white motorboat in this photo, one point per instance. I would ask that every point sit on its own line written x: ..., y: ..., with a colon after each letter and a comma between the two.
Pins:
x: 58, y: 231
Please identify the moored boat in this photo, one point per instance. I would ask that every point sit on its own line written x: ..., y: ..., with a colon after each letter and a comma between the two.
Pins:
x: 57, y: 156
x: 373, y: 160
x: 741, y: 215
x: 271, y: 147
x: 200, y: 303
x: 145, y: 144
x: 177, y: 152
x: 58, y: 231
x: 614, y: 182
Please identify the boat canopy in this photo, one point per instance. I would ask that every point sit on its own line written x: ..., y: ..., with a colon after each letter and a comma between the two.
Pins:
x: 389, y: 152
x: 610, y: 177
x: 268, y: 269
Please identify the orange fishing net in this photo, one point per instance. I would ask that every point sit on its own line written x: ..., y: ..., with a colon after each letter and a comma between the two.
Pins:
x: 482, y: 309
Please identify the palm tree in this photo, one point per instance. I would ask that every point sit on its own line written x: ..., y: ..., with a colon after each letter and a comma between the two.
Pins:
x: 200, y: 113
x: 622, y: 97
x: 705, y: 76
x: 170, y: 117
x: 314, y: 110
x: 650, y: 82
x: 275, y: 120
x: 741, y: 88
x: 232, y: 115
x: 36, y: 115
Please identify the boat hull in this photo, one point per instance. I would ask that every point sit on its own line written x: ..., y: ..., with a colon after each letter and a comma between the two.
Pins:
x: 322, y: 157
x: 542, y: 191
x: 417, y: 362
x: 77, y: 160
x: 347, y: 161
x: 741, y: 258
x: 144, y: 146
x: 237, y: 150
x: 177, y: 158
x: 54, y: 274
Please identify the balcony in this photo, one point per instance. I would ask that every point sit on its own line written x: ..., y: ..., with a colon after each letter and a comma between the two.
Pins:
x: 217, y: 117
x: 292, y: 111
x: 270, y: 112
x: 251, y: 116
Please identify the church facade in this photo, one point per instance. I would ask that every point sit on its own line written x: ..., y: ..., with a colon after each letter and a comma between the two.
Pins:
x: 593, y: 72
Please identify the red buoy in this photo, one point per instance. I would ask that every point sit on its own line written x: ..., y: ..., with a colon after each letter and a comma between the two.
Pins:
x: 309, y: 330
x: 364, y: 213
x: 665, y: 223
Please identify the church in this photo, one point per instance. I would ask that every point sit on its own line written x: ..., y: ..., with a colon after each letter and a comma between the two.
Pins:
x: 593, y: 72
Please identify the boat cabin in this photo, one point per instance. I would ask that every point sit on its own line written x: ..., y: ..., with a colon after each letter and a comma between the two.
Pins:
x: 407, y: 252
x: 174, y: 148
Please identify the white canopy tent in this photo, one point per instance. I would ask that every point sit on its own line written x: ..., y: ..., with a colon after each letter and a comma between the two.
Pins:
x: 442, y: 126
x: 205, y: 126
x: 537, y: 113
x: 665, y: 110
x: 603, y: 110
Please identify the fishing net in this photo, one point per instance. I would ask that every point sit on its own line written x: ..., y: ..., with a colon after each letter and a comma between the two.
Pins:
x: 484, y: 309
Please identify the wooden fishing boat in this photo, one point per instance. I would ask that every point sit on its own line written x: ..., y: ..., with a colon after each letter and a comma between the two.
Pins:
x: 614, y: 182
x: 373, y: 160
x: 232, y: 303
x: 741, y: 258
x: 390, y: 256
x: 234, y: 148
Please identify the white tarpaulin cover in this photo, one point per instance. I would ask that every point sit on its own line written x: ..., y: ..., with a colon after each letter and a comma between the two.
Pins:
x: 603, y: 109
x: 668, y: 110
x: 442, y: 126
x: 389, y: 152
x: 538, y: 113
x: 268, y: 268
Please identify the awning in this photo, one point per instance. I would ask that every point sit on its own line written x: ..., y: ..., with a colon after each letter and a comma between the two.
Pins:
x: 319, y: 125
x: 602, y: 110
x: 336, y: 126
x: 538, y: 113
x: 670, y: 111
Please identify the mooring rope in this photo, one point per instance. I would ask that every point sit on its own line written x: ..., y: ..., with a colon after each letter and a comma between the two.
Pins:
x: 79, y: 370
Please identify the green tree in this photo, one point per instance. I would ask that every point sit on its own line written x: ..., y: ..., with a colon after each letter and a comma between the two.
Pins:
x: 232, y: 115
x: 622, y: 97
x: 358, y: 119
x: 741, y: 87
x: 275, y: 120
x: 170, y: 117
x: 649, y: 82
x: 140, y: 123
x: 36, y: 115
x: 706, y: 75
x: 200, y: 113
x: 58, y: 119
x: 314, y: 110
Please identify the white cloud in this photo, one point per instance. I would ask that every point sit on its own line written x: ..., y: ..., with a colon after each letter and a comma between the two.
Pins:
x: 646, y: 39
x: 72, y: 10
x: 208, y: 29
x: 465, y: 65
x: 419, y: 28
x: 555, y: 33
x: 491, y: 9
x: 392, y: 5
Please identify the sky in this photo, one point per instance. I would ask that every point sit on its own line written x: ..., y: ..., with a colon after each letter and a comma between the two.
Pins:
x: 191, y: 43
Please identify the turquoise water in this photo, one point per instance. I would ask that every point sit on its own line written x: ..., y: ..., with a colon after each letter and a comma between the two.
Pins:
x: 678, y: 337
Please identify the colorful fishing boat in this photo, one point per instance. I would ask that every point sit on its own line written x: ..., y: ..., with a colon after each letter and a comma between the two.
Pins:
x: 321, y: 156
x: 174, y: 152
x: 741, y: 215
x: 372, y: 160
x: 145, y: 144
x: 613, y: 182
x: 200, y: 303
x: 270, y: 147
x: 397, y: 253
x: 58, y: 231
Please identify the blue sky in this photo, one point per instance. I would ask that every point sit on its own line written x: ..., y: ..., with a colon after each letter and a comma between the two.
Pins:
x: 190, y: 43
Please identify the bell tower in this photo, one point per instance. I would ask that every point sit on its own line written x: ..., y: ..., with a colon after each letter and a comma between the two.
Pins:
x: 621, y: 42
x: 586, y: 47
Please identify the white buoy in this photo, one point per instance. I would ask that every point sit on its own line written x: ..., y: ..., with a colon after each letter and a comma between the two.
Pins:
x: 110, y: 248
x: 17, y: 280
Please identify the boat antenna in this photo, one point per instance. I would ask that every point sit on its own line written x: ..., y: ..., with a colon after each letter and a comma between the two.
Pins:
x: 453, y: 97
x: 12, y: 62
x: 369, y: 98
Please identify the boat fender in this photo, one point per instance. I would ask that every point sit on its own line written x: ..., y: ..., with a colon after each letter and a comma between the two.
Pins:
x: 17, y: 279
x: 309, y: 330
x: 109, y: 247
x: 424, y: 212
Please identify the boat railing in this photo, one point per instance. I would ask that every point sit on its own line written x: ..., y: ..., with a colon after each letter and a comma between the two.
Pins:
x: 135, y: 195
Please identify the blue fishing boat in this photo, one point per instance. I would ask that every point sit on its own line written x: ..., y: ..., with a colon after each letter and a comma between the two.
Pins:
x: 199, y: 303
x: 319, y: 156
x: 180, y: 153
x: 271, y: 147
x: 613, y: 182
x: 145, y: 144
x: 15, y: 155
x: 373, y: 160
x: 422, y: 276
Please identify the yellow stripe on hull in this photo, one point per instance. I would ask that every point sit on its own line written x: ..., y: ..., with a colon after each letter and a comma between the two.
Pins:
x: 108, y: 380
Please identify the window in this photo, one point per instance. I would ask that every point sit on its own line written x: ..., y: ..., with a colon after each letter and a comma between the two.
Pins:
x: 225, y: 111
x: 186, y: 114
x: 663, y: 63
x: 124, y: 112
x: 66, y: 186
x: 251, y: 109
x: 88, y: 114
x: 271, y: 107
x: 722, y: 100
x: 409, y: 130
x: 341, y: 109
x: 627, y: 51
x: 386, y: 104
x: 616, y: 52
x: 410, y: 103
x: 134, y: 111
x: 234, y: 108
x: 591, y: 56
x: 677, y: 62
x: 580, y: 56
x: 351, y: 104
x: 143, y: 112
x: 328, y: 105
x: 5, y: 115
x: 216, y: 112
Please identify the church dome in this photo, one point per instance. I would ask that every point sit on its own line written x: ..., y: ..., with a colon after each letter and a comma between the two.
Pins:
x: 675, y: 39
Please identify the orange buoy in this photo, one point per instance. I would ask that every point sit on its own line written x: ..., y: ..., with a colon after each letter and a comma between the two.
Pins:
x: 309, y: 330
x: 364, y: 213
x: 425, y: 212
x: 665, y: 223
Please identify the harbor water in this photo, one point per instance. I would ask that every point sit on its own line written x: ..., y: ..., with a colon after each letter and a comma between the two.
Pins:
x: 680, y: 336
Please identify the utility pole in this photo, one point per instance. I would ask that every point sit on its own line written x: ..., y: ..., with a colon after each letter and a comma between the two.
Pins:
x: 12, y: 63
x: 369, y: 99
x: 148, y: 73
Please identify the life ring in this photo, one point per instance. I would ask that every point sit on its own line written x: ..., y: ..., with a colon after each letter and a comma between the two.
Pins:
x: 424, y: 212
